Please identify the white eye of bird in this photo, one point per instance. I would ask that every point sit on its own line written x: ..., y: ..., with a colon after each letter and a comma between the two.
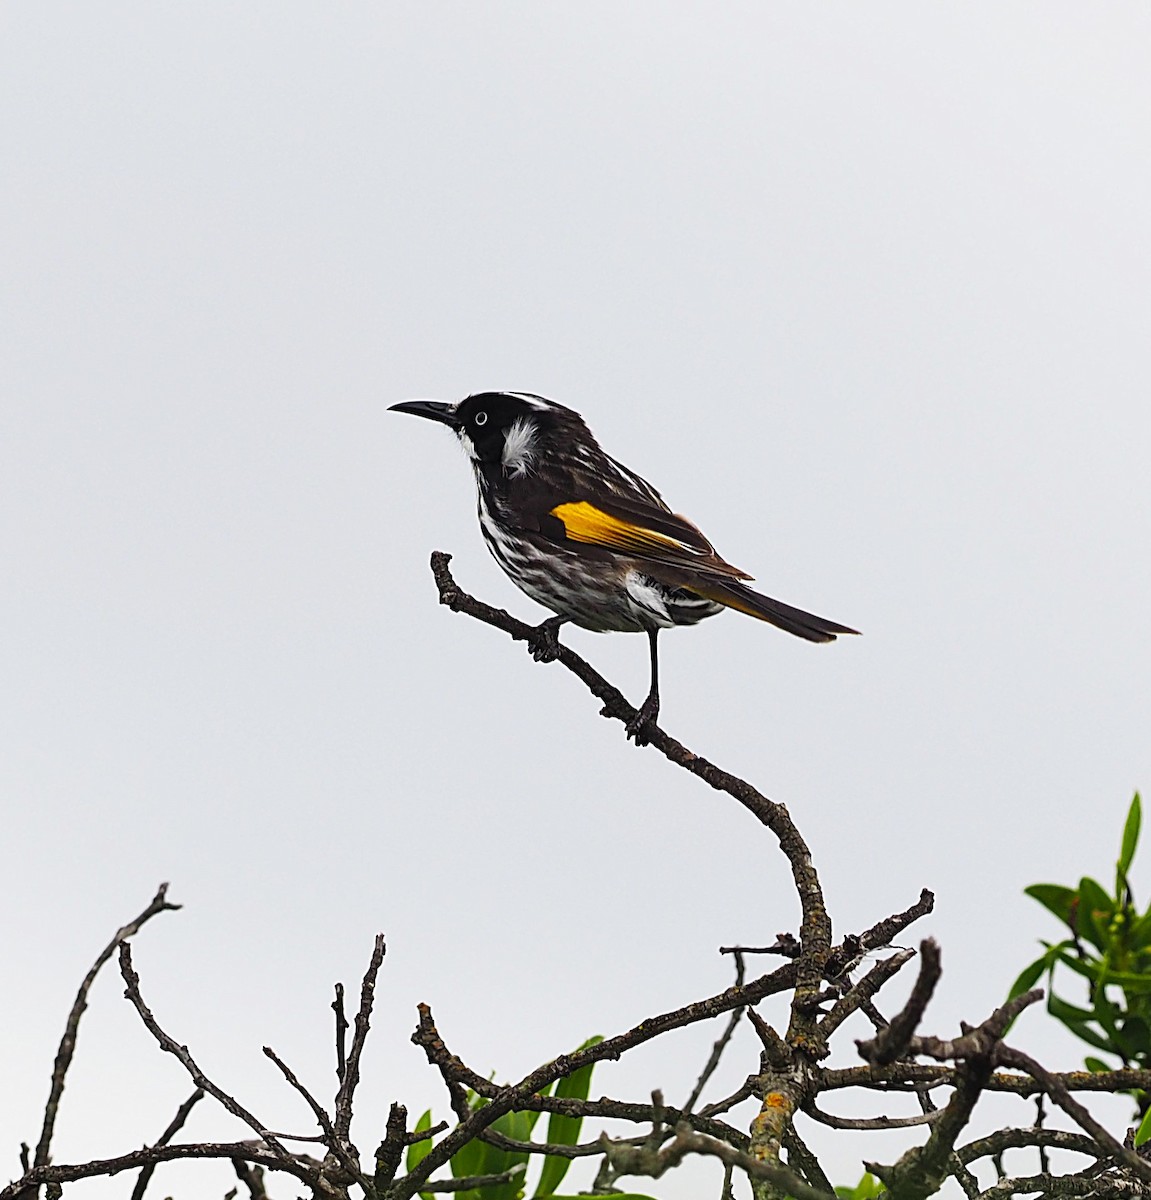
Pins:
x: 481, y: 418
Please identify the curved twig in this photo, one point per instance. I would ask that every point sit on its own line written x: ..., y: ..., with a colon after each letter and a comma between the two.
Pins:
x: 67, y: 1048
x: 174, y: 1127
x: 815, y: 925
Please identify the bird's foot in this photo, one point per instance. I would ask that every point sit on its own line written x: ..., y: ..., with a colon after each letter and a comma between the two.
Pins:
x: 641, y: 725
x: 544, y: 643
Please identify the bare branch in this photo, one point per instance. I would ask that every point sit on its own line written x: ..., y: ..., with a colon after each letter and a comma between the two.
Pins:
x: 744, y: 1092
x: 815, y: 925
x: 411, y: 1139
x: 391, y: 1149
x: 351, y: 1078
x: 467, y: 1182
x: 892, y: 1042
x: 975, y: 1042
x: 863, y: 991
x: 252, y: 1177
x: 1018, y: 1139
x: 785, y: 945
x: 331, y: 1138
x: 301, y: 1167
x: 1058, y: 1092
x: 834, y: 1122
x: 67, y: 1048
x: 799, y: 1155
x: 910, y: 1076
x: 921, y: 1170
x: 428, y: 1037
x: 642, y: 1160
x: 721, y: 1043
x: 174, y: 1127
x: 879, y: 935
x: 1046, y: 1185
x: 181, y: 1053
x: 341, y: 1033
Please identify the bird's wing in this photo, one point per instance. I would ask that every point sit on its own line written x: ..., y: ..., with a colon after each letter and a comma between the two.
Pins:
x: 631, y: 526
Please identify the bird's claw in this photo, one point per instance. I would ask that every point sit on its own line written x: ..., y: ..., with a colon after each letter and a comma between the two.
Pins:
x: 544, y: 644
x: 641, y: 725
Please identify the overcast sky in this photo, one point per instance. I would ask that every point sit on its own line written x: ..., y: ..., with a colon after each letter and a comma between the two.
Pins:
x: 863, y: 289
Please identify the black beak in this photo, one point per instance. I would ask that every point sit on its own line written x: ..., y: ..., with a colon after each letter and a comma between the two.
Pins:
x: 434, y: 410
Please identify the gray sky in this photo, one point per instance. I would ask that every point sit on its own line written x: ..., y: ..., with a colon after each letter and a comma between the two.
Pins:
x: 862, y: 289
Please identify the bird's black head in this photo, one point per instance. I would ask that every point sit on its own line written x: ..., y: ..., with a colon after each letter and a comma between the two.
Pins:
x: 502, y: 428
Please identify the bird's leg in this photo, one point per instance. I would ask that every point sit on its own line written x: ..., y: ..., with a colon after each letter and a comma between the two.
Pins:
x: 544, y: 645
x: 639, y: 727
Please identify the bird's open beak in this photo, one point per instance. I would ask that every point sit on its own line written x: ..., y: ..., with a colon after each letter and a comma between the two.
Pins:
x: 434, y: 410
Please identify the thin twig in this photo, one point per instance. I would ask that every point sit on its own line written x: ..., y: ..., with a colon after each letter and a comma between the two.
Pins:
x: 815, y: 925
x: 252, y: 1177
x: 1058, y: 1092
x: 881, y: 1122
x: 862, y: 992
x: 132, y: 992
x: 922, y: 1169
x: 632, y: 1160
x: 880, y: 935
x: 174, y: 1127
x: 1065, y: 1185
x: 800, y: 1155
x: 1018, y: 1139
x: 720, y: 1044
x: 892, y: 1042
x: 744, y: 1092
x: 466, y: 1182
x: 911, y: 1075
x: 331, y: 1138
x: 524, y: 1095
x: 304, y: 1169
x: 785, y: 945
x: 391, y: 1149
x: 67, y: 1048
x: 347, y: 1089
x: 341, y: 1033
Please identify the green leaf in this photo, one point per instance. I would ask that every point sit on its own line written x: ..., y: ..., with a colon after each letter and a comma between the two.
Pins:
x: 1133, y: 1038
x: 1088, y: 968
x: 1107, y: 1016
x: 1095, y: 1065
x: 1130, y: 835
x: 493, y: 1160
x: 1144, y: 1130
x: 1065, y: 1012
x: 1140, y: 935
x: 1086, y: 1034
x: 1096, y: 909
x: 563, y: 1130
x: 1056, y: 899
x: 1029, y: 976
x: 534, y: 1116
x: 1139, y: 985
x: 866, y: 1189
x: 418, y: 1151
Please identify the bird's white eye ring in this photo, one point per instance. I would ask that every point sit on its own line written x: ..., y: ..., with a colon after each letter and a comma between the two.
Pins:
x: 481, y: 418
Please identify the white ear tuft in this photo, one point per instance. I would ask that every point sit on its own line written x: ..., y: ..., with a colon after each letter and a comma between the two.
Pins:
x: 519, y: 446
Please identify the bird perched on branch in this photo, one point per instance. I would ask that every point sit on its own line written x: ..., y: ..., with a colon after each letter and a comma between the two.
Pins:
x: 590, y: 539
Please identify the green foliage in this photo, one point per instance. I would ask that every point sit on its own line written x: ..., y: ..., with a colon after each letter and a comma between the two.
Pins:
x: 866, y: 1189
x: 1109, y: 948
x: 480, y: 1158
x: 564, y: 1131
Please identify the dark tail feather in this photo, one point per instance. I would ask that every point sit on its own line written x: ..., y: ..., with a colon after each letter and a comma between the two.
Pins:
x: 775, y: 612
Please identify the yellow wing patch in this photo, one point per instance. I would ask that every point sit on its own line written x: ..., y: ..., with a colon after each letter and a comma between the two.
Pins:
x: 583, y: 522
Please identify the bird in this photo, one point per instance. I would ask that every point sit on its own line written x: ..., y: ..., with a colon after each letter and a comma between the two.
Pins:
x: 588, y: 538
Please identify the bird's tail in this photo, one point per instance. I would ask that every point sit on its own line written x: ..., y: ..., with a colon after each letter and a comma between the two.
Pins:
x: 794, y: 620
